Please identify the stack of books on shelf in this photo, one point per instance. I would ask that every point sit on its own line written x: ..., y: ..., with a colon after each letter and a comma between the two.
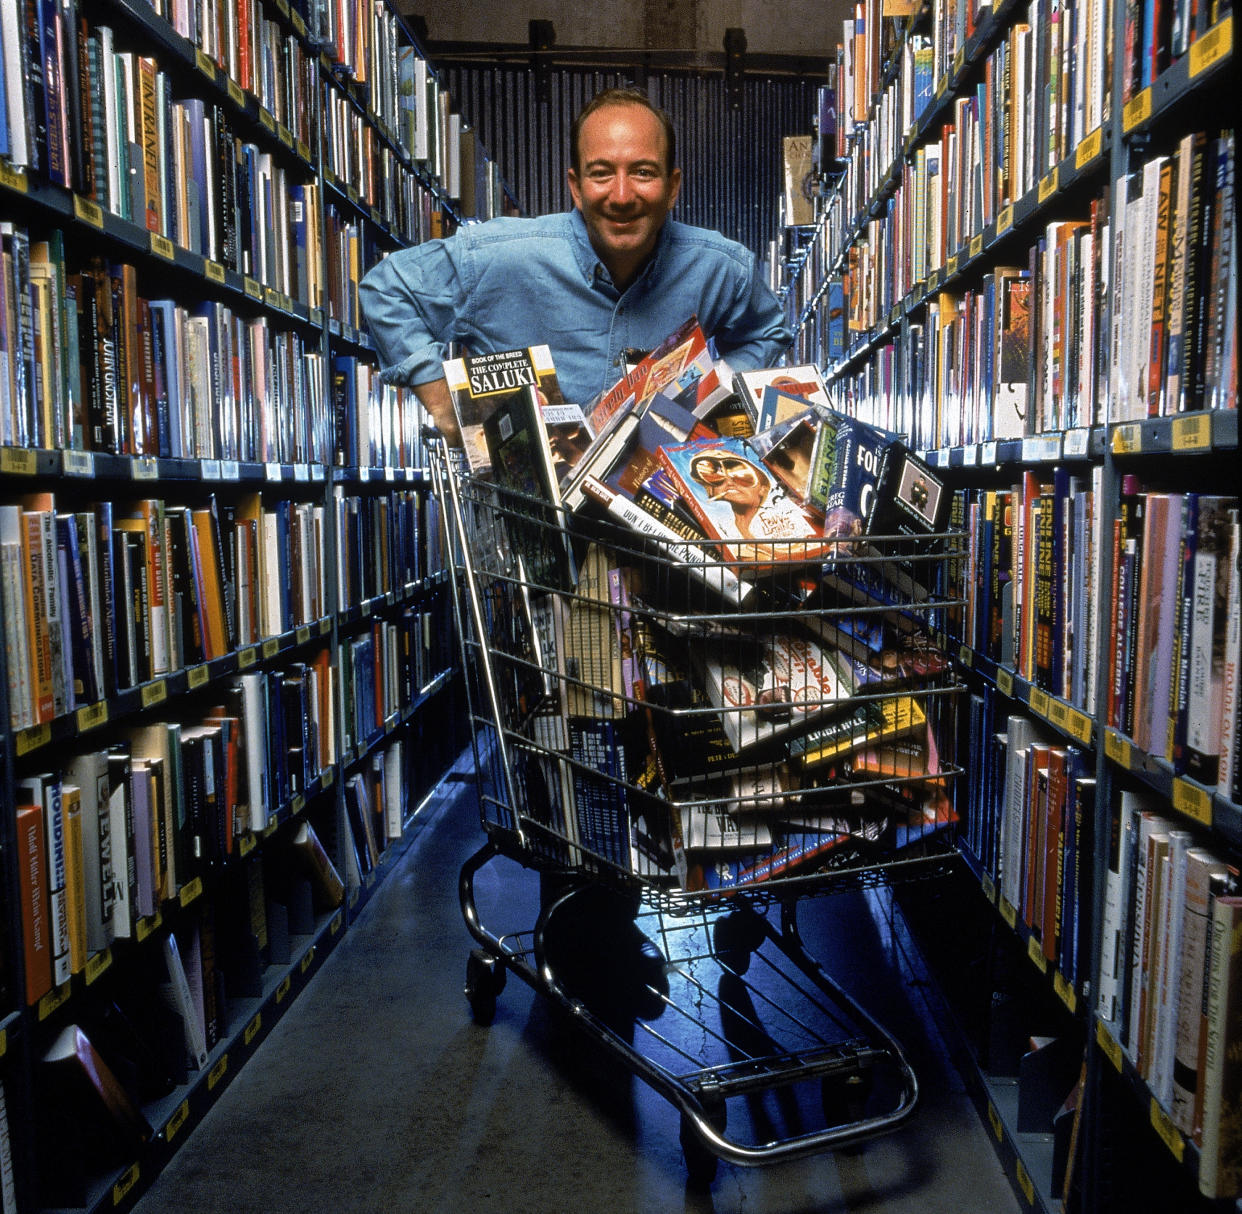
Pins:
x: 715, y: 650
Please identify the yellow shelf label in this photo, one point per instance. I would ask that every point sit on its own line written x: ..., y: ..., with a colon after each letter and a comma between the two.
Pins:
x: 989, y: 888
x: 1036, y: 953
x: 271, y: 297
x: 161, y: 246
x: 1089, y: 148
x: 273, y: 822
x: 14, y: 179
x: 966, y: 655
x: 1049, y: 184
x: 994, y: 1120
x: 284, y: 134
x: 198, y: 676
x: 235, y: 93
x: 942, y: 87
x: 218, y: 1072
x: 282, y: 991
x: 154, y: 693
x: 18, y: 461
x: 959, y: 61
x: 1039, y: 702
x: 1128, y: 439
x: 252, y: 1029
x: 92, y: 716
x: 204, y: 64
x: 122, y: 1188
x: 328, y: 778
x: 335, y: 926
x: 1192, y: 432
x: 1166, y: 1131
x: 271, y: 647
x: 77, y: 463
x: 1193, y: 801
x: 309, y: 955
x: 303, y: 149
x: 1118, y: 748
x: 152, y: 923
x: 32, y: 738
x: 246, y: 844
x: 951, y: 269
x: 4, y: 1042
x: 976, y: 245
x: 1008, y: 912
x: 299, y: 25
x: 297, y: 804
x: 1024, y: 1181
x: 190, y: 890
x: 1004, y: 221
x: 325, y: 626
x: 55, y: 999
x: 302, y: 635
x: 1078, y: 726
x: 99, y: 964
x: 246, y: 657
x: 177, y: 1121
x: 88, y: 212
x: 1109, y: 1045
x: 1065, y: 991
x: 1138, y: 109
x: 252, y: 288
x: 1214, y: 46
x: 214, y: 270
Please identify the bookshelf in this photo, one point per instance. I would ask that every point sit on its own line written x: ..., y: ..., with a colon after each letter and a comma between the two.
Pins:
x: 1025, y: 260
x: 228, y: 660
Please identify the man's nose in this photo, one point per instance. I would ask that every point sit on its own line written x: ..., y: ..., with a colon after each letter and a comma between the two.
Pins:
x: 622, y: 188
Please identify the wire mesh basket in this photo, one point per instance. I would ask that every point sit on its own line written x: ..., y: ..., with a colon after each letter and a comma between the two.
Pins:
x: 657, y: 716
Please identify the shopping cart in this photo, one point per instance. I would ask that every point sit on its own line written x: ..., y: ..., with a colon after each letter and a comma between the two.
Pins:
x: 684, y: 734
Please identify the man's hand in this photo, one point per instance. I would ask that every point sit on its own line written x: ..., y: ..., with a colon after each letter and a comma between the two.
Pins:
x: 437, y: 401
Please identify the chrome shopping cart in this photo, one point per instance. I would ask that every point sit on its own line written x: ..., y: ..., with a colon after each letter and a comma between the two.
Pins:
x: 710, y: 743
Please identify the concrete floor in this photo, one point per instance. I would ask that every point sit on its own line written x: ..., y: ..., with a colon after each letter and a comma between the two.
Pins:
x: 377, y: 1092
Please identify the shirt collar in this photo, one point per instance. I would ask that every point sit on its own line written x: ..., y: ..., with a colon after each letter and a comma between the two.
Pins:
x: 590, y: 264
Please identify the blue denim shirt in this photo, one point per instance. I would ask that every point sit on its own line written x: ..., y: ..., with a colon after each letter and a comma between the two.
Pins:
x: 511, y: 283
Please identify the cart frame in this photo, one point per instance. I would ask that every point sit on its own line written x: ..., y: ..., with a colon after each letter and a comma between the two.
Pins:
x: 737, y: 923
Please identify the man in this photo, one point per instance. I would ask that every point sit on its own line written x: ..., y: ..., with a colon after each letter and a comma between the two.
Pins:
x: 615, y: 272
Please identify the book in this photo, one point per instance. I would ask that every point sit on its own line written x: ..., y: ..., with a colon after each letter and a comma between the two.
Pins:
x: 871, y: 724
x: 327, y: 887
x: 768, y: 685
x: 35, y: 908
x: 739, y: 502
x: 697, y: 561
x: 1220, y: 1165
x: 801, y: 382
x: 477, y: 383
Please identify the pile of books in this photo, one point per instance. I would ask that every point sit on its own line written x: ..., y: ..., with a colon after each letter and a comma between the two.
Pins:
x: 720, y: 649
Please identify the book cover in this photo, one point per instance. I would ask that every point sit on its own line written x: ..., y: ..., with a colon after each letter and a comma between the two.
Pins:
x: 1220, y: 1161
x: 765, y: 687
x: 478, y: 383
x: 738, y: 501
x: 801, y: 382
x: 870, y: 724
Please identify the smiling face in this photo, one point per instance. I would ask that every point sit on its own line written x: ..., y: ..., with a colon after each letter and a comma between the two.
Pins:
x: 623, y: 186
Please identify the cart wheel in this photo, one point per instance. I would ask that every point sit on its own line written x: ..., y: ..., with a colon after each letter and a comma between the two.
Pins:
x: 845, y: 1100
x: 701, y: 1163
x: 485, y: 979
x: 735, y: 936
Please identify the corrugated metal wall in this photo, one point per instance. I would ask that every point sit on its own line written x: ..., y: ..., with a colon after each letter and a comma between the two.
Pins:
x: 731, y: 160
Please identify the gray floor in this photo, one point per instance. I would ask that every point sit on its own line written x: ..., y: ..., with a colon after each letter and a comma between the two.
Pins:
x: 376, y: 1092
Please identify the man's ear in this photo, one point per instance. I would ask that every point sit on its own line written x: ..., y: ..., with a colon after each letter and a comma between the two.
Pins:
x: 674, y: 187
x: 574, y: 192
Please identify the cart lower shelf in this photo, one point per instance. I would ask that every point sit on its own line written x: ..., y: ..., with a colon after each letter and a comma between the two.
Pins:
x: 734, y: 1010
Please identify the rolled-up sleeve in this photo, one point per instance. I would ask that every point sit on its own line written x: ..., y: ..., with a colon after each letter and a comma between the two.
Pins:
x: 412, y: 300
x: 756, y: 334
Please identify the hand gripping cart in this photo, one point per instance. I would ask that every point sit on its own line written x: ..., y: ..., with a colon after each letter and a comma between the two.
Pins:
x: 711, y: 744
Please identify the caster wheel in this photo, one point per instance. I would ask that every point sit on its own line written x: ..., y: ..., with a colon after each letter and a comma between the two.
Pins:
x: 844, y: 1101
x: 735, y: 936
x: 485, y: 979
x: 701, y: 1163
